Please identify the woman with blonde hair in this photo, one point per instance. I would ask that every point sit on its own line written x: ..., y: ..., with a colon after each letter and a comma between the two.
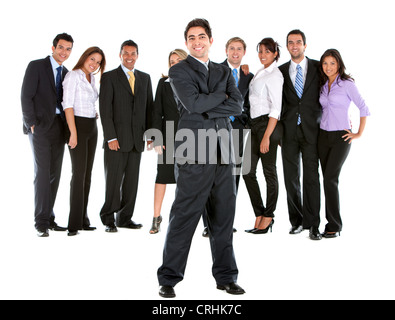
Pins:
x: 165, y: 115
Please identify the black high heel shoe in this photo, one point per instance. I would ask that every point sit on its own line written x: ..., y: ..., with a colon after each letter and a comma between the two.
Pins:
x: 156, y: 225
x: 264, y: 231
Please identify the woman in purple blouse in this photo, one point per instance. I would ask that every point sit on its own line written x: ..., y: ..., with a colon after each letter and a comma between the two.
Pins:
x: 337, y: 92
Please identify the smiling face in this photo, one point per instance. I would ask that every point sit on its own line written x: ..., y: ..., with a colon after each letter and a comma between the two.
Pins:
x: 330, y: 68
x: 62, y: 51
x: 296, y: 47
x: 266, y: 57
x: 198, y: 43
x: 92, y: 63
x: 235, y: 53
x: 129, y: 56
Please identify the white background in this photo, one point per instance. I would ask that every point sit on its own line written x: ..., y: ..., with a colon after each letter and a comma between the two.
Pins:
x: 97, y: 265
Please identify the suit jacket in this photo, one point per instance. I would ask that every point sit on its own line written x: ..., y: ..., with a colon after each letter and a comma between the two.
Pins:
x: 125, y: 116
x: 206, y: 99
x: 38, y: 96
x: 308, y: 106
x: 242, y: 120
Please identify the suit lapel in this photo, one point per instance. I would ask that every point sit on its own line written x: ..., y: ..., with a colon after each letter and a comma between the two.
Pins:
x: 212, y: 71
x: 50, y: 73
x: 311, y: 74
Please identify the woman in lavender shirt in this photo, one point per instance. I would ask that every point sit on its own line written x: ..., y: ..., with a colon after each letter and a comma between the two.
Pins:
x: 337, y: 92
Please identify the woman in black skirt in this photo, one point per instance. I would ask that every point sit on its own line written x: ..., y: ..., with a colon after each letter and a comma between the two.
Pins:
x: 165, y: 119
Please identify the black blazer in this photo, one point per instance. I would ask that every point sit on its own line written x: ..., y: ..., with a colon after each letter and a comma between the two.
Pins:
x: 39, y: 96
x: 206, y: 100
x: 308, y: 106
x: 244, y: 83
x: 125, y: 116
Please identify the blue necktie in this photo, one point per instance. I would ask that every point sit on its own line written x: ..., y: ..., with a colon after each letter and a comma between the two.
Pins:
x: 59, y: 90
x: 299, y: 87
x: 234, y: 73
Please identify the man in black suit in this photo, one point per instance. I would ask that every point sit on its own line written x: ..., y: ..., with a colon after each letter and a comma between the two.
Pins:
x: 43, y: 122
x: 207, y: 96
x: 126, y: 103
x: 301, y: 116
x: 235, y: 51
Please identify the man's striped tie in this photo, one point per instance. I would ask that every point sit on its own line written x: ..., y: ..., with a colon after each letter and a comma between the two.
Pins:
x: 299, y: 87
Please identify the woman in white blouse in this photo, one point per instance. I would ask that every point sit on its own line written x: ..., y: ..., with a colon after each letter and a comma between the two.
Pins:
x: 79, y: 99
x: 265, y: 96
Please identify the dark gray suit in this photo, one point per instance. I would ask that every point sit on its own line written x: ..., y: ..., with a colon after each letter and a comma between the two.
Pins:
x: 206, y: 100
x: 125, y: 116
x: 302, y: 140
x: 39, y: 101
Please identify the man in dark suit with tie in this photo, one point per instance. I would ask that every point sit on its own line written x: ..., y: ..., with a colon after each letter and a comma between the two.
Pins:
x: 301, y: 116
x: 43, y: 122
x: 126, y: 103
x: 207, y: 96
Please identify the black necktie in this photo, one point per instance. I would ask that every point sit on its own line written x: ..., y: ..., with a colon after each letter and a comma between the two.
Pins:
x: 59, y: 91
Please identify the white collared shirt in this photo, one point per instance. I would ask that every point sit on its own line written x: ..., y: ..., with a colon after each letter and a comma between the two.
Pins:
x: 79, y: 94
x: 232, y: 68
x: 266, y: 92
x: 126, y: 70
x: 293, y: 71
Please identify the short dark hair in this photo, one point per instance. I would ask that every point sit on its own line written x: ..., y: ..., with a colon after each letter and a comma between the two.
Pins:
x: 297, y: 31
x: 62, y: 36
x: 199, y: 23
x: 270, y: 45
x: 130, y: 43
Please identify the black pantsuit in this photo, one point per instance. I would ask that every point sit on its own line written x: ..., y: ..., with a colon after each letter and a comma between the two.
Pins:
x: 268, y: 160
x: 333, y: 152
x: 82, y: 158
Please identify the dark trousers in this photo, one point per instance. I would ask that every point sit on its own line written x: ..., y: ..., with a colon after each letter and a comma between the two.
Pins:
x: 268, y: 160
x: 198, y: 186
x: 82, y: 158
x: 307, y: 213
x: 333, y: 152
x: 122, y: 175
x: 48, y: 151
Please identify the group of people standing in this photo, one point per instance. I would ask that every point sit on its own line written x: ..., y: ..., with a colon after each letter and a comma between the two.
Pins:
x: 301, y: 106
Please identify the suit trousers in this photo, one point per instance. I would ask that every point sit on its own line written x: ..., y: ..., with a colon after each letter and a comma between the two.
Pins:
x: 48, y: 151
x: 200, y: 186
x: 122, y: 171
x: 268, y: 160
x: 82, y: 158
x: 307, y: 213
x: 333, y: 152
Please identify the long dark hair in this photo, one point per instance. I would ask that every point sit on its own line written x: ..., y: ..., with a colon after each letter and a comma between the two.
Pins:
x: 342, y: 68
x: 88, y: 52
x: 270, y: 45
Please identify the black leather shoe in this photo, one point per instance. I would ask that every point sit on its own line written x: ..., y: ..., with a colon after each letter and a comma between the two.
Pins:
x: 231, y: 288
x: 296, y: 230
x: 72, y: 233
x: 330, y: 235
x: 167, y: 292
x: 88, y: 228
x: 111, y: 228
x: 132, y: 225
x: 205, y: 232
x: 315, y: 234
x: 55, y: 227
x: 43, y: 233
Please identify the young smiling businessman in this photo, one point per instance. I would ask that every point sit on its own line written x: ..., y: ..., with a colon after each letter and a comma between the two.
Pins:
x: 207, y: 96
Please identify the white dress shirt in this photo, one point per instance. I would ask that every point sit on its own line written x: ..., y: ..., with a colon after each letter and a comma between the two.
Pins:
x: 293, y: 71
x: 266, y: 92
x: 79, y: 94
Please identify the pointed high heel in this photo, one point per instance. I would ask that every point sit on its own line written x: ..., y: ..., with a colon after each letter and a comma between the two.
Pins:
x: 156, y: 225
x: 264, y: 231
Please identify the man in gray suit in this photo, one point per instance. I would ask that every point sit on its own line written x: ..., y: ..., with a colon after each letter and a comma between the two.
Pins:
x: 207, y: 96
x: 126, y: 103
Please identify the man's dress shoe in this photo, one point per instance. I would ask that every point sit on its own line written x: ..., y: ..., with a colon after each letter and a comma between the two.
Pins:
x: 72, y: 233
x: 329, y: 235
x: 88, y: 228
x: 296, y: 230
x: 315, y: 234
x: 43, y: 233
x: 111, y: 228
x: 131, y: 225
x: 231, y: 288
x: 55, y: 227
x: 167, y: 292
